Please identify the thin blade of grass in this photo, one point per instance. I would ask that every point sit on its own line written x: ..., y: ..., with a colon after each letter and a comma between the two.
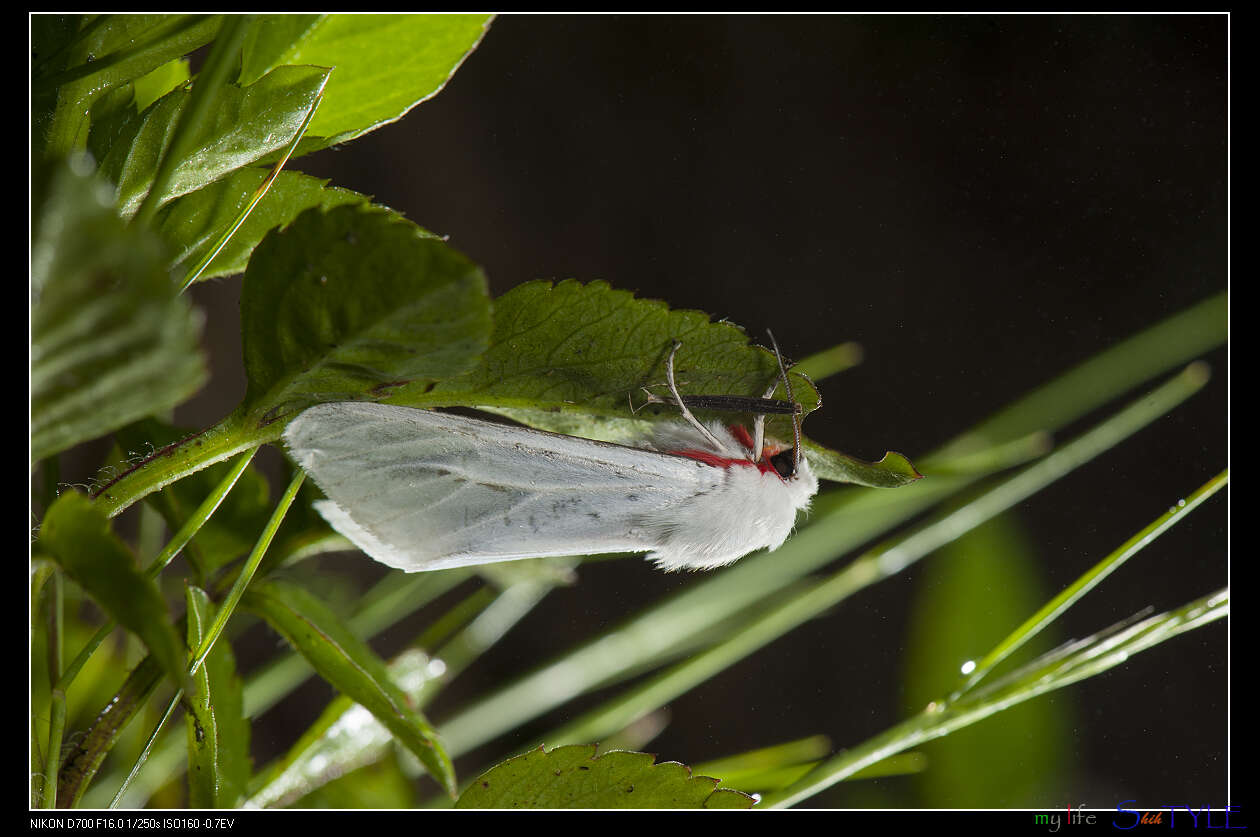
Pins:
x: 940, y: 719
x: 1074, y: 592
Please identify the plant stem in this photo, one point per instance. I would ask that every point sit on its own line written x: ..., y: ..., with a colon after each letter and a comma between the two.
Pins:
x: 148, y: 745
x: 168, y: 553
x: 229, y: 437
x: 247, y: 572
x: 57, y: 707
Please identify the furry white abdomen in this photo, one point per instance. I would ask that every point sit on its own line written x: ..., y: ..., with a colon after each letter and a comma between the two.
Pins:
x: 747, y: 511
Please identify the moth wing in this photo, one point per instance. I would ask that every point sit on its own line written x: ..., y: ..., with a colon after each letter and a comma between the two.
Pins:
x: 420, y: 490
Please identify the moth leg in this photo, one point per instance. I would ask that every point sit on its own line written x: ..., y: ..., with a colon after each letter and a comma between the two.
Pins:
x: 787, y: 389
x: 673, y: 388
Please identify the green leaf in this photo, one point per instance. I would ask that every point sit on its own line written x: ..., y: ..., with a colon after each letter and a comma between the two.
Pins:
x: 574, y: 777
x: 105, y: 52
x: 570, y: 358
x: 233, y: 529
x: 385, y: 64
x: 156, y: 84
x: 247, y: 124
x: 270, y: 40
x: 77, y: 534
x: 351, y: 303
x: 218, y: 734
x: 111, y: 341
x: 191, y: 224
x: 349, y: 665
x: 893, y: 471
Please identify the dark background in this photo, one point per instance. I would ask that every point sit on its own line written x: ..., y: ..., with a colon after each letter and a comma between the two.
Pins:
x: 980, y: 202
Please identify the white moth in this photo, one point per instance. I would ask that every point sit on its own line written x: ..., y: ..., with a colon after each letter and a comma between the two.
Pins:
x: 421, y: 490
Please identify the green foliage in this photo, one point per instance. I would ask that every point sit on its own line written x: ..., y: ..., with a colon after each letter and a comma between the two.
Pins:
x: 191, y: 224
x: 111, y: 341
x: 77, y: 534
x: 248, y: 124
x: 218, y: 733
x: 353, y: 303
x: 342, y: 299
x: 385, y: 64
x: 575, y: 777
x: 343, y: 660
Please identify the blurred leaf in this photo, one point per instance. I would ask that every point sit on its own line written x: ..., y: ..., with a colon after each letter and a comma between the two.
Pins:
x: 351, y: 302
x: 110, y: 339
x: 218, y: 734
x: 981, y: 586
x: 830, y: 361
x: 385, y: 64
x: 233, y: 529
x: 89, y: 56
x: 89, y: 750
x: 349, y: 665
x: 77, y: 534
x: 574, y: 777
x: 345, y: 738
x: 768, y: 767
x: 246, y: 125
x: 382, y: 784
x: 191, y: 224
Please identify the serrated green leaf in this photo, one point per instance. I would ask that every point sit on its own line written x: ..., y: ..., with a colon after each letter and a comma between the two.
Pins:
x: 246, y: 125
x: 77, y: 534
x: 575, y: 777
x: 349, y: 665
x: 233, y: 529
x: 218, y: 734
x: 191, y: 224
x: 579, y: 352
x: 102, y: 53
x: 111, y: 341
x: 352, y: 303
x: 386, y: 64
x: 572, y: 358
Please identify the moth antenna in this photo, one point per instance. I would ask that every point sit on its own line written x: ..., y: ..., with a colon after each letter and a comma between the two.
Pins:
x: 673, y: 388
x: 787, y: 389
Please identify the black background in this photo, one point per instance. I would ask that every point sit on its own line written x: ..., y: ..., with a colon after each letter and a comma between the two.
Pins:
x: 980, y: 201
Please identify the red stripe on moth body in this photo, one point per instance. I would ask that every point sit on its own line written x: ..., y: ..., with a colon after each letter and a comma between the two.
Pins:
x: 742, y: 436
x: 716, y: 461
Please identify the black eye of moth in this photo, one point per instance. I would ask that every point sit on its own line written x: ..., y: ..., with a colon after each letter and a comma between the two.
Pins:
x: 784, y: 463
